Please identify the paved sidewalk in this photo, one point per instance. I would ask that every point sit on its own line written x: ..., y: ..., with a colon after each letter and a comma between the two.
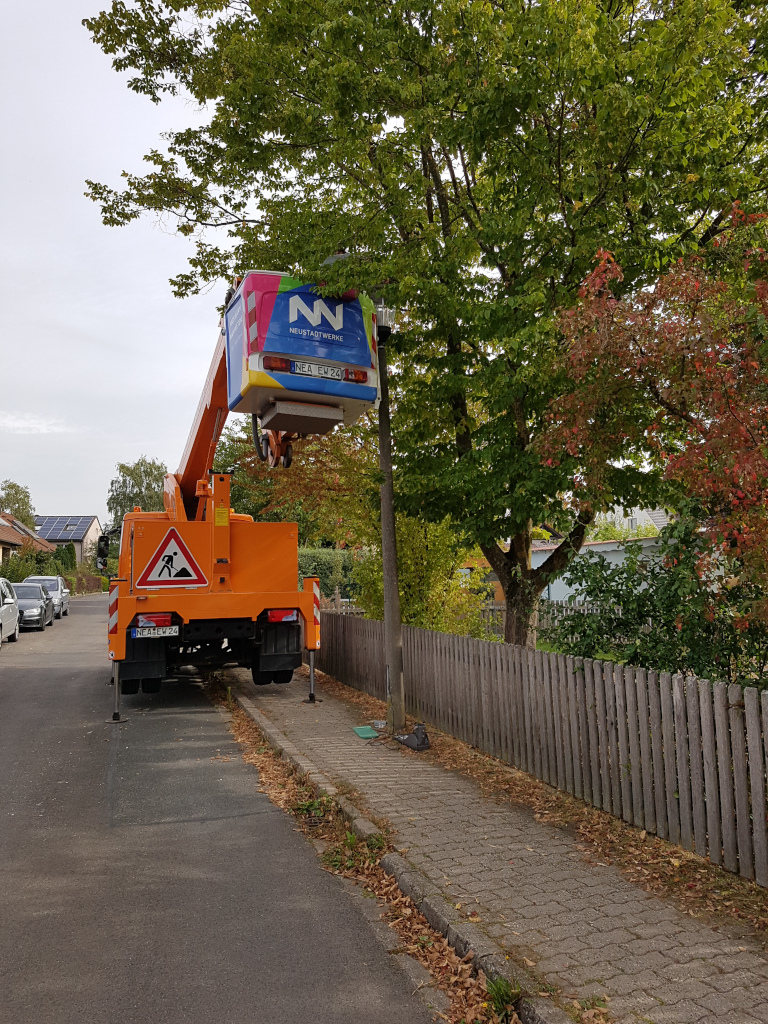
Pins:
x: 586, y: 928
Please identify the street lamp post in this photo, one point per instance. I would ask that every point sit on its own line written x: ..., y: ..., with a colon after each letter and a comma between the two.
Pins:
x: 393, y: 640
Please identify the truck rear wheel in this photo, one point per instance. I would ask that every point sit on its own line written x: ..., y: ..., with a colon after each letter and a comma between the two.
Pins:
x: 283, y: 677
x: 129, y: 686
x: 261, y: 678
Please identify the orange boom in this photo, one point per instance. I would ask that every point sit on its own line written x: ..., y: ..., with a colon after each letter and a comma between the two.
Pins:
x: 199, y: 584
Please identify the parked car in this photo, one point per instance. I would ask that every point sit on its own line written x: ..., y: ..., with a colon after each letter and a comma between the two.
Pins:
x: 9, y: 613
x: 57, y: 588
x: 35, y: 605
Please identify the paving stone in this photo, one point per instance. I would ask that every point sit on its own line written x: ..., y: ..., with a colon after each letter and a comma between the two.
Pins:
x: 583, y: 924
x: 626, y: 984
x: 731, y: 1017
x: 681, y: 1013
x: 727, y: 981
x: 683, y: 972
x: 632, y: 1006
x: 674, y: 993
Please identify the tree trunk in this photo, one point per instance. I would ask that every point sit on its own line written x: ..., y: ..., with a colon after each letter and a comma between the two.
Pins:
x: 522, y: 618
x: 523, y: 585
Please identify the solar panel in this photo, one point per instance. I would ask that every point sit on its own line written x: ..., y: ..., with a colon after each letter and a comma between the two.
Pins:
x: 63, y: 528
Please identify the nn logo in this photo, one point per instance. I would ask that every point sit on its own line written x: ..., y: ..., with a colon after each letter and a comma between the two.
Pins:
x: 319, y: 310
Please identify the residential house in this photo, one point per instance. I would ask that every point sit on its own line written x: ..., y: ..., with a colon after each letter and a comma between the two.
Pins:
x: 14, y: 535
x: 612, y: 550
x: 82, y: 531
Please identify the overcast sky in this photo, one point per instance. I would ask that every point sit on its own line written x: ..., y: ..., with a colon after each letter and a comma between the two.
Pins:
x: 99, y: 363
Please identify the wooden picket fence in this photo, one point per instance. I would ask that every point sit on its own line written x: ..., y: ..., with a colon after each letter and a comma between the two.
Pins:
x: 681, y: 757
x: 550, y: 613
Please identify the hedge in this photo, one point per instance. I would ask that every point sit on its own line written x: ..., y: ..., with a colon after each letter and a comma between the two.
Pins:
x: 333, y: 566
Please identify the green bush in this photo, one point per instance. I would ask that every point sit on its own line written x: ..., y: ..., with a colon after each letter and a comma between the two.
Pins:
x: 436, y: 590
x: 333, y: 566
x: 31, y: 563
x: 684, y: 608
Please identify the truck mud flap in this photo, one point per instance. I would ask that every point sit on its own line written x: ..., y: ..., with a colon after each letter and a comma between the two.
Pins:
x: 144, y: 658
x: 280, y: 647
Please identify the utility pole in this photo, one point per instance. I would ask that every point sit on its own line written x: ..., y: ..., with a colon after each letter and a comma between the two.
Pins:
x: 393, y: 639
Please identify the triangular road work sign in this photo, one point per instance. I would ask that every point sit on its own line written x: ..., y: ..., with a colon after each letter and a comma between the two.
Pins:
x: 172, y: 565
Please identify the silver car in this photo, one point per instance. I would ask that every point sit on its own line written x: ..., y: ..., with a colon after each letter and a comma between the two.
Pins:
x: 9, y: 613
x: 57, y: 588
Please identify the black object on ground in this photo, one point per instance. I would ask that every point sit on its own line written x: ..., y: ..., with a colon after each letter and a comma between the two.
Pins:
x: 416, y: 740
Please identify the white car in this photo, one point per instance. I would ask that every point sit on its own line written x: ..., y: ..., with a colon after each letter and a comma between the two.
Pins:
x: 9, y: 613
x: 57, y: 588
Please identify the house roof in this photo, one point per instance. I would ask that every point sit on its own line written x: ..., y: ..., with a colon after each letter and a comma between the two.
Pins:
x: 61, y: 529
x: 9, y: 537
x: 548, y: 545
x: 658, y: 517
x: 15, y: 533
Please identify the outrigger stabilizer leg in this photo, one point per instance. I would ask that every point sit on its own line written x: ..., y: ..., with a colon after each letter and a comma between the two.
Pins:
x: 116, y: 680
x: 311, y: 699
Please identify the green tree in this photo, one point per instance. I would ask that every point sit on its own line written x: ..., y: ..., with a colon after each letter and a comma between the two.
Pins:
x: 68, y: 556
x: 273, y: 496
x: 16, y: 499
x: 473, y: 157
x: 613, y: 526
x: 137, y: 483
x: 29, y: 562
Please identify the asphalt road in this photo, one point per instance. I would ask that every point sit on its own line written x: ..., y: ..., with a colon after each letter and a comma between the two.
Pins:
x: 144, y: 879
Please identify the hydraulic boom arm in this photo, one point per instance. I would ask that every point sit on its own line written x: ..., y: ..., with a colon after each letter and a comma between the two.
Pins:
x: 181, y: 488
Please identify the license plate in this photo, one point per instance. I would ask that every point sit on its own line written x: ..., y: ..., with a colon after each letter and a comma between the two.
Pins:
x: 141, y: 631
x: 317, y: 370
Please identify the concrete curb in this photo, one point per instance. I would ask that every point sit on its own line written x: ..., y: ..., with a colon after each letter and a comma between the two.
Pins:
x: 361, y: 826
x: 463, y: 936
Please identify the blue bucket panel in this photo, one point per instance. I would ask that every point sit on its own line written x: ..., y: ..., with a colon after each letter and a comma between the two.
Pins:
x: 303, y: 324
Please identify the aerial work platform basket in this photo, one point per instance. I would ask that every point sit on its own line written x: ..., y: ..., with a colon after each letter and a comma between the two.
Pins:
x: 299, y: 363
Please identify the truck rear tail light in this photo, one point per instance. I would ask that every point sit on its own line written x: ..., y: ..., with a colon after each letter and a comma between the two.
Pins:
x: 154, y: 619
x: 357, y: 376
x: 277, y: 363
x: 283, y: 615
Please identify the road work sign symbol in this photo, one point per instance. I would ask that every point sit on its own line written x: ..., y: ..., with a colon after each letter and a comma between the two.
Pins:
x: 172, y: 565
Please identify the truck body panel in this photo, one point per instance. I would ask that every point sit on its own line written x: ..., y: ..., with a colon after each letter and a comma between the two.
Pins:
x: 212, y: 582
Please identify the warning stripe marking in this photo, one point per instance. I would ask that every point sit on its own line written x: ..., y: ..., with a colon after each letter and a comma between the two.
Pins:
x: 114, y: 593
x: 316, y: 596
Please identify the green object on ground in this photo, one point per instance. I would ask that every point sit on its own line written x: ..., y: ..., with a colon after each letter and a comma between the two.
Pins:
x: 365, y: 732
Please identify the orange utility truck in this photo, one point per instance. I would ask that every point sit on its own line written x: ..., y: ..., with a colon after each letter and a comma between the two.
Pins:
x: 199, y: 584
